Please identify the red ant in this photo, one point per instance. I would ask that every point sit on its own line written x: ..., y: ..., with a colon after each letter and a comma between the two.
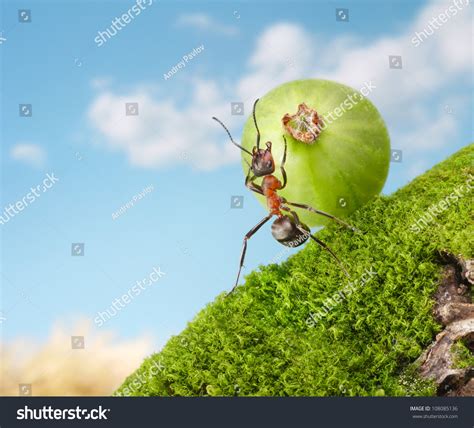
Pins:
x: 287, y: 228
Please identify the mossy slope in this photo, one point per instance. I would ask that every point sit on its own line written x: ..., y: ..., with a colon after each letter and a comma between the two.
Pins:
x: 258, y: 341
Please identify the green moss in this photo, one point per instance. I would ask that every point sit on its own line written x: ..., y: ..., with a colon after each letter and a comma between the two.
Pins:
x: 463, y: 357
x: 260, y: 341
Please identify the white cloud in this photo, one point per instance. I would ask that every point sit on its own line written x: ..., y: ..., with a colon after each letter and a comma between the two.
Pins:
x: 277, y: 58
x: 426, y: 68
x: 203, y: 22
x: 166, y: 134
x: 30, y: 154
x: 162, y: 134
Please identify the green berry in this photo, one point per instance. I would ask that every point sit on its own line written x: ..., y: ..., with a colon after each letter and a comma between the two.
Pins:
x: 338, y: 146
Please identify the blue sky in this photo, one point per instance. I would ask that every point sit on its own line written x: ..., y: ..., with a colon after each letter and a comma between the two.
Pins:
x: 78, y: 131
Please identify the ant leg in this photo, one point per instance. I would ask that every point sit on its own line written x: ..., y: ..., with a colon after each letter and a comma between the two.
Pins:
x: 251, y: 185
x: 318, y: 241
x: 249, y: 234
x: 282, y: 166
x: 295, y: 216
x: 326, y: 247
x: 307, y: 207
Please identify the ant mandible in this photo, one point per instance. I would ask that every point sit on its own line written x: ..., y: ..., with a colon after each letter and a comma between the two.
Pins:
x: 287, y: 229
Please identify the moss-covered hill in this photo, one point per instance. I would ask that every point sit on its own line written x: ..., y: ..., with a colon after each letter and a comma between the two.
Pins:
x: 262, y: 340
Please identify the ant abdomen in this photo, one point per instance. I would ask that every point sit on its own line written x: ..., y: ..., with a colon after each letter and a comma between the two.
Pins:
x: 285, y: 231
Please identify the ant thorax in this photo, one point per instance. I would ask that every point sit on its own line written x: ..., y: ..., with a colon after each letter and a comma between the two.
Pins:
x: 270, y: 184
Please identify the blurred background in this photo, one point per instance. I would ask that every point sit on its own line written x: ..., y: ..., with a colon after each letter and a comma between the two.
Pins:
x: 123, y: 203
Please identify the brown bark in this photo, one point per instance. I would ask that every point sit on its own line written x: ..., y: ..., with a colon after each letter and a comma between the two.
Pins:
x: 455, y: 311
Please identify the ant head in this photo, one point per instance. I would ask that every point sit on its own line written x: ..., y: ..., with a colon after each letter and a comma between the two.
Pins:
x: 285, y: 231
x: 262, y: 161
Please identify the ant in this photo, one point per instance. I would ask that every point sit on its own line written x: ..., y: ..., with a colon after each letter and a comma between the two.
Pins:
x: 287, y: 229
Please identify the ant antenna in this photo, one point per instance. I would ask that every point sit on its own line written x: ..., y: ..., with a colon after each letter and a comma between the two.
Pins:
x: 255, y: 121
x: 230, y: 136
